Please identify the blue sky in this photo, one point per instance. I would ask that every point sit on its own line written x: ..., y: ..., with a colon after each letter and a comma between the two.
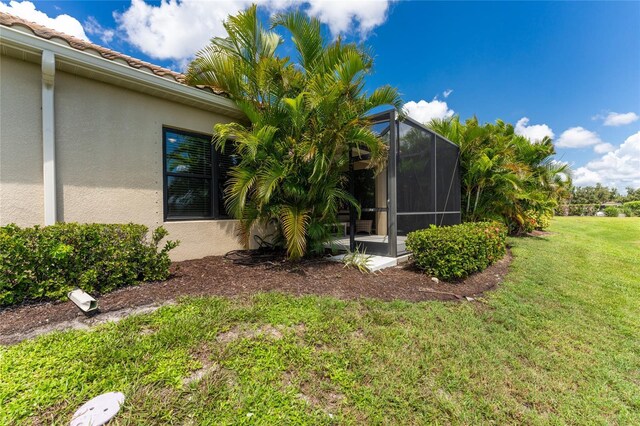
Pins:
x: 571, y: 69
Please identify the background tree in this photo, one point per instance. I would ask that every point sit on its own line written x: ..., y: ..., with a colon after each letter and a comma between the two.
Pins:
x: 305, y: 117
x: 597, y: 194
x: 632, y: 195
x: 504, y: 176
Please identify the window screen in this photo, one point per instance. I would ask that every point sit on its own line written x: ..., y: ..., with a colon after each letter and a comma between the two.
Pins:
x: 194, y: 175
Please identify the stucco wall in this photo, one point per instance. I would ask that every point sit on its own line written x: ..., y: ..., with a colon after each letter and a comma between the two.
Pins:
x: 21, y: 191
x: 108, y: 153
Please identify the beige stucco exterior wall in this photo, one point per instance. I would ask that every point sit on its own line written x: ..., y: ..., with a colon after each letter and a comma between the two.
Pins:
x: 21, y: 190
x: 108, y: 155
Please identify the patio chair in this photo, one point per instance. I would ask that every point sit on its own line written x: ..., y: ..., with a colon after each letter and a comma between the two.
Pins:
x: 364, y: 226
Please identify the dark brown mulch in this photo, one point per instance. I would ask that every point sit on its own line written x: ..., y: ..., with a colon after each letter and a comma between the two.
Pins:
x: 239, y: 275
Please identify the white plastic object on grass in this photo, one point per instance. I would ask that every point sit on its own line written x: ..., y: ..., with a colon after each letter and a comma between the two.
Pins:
x: 99, y: 410
x: 83, y: 300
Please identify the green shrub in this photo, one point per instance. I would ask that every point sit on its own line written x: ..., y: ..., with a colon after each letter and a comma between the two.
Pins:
x: 543, y: 221
x: 47, y: 262
x: 611, y: 211
x: 536, y: 220
x: 457, y: 251
x: 529, y: 222
x: 633, y: 207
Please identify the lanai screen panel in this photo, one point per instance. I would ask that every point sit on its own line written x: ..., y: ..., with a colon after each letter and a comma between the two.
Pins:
x: 428, y: 186
x: 447, y: 183
x: 415, y: 178
x: 372, y: 227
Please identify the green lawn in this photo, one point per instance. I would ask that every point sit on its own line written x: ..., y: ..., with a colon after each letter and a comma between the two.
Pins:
x: 559, y: 342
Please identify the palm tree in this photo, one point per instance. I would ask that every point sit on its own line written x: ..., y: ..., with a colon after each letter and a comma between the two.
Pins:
x: 305, y: 119
x: 504, y: 176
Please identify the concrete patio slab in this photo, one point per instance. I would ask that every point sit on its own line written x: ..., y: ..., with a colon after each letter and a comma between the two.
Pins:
x: 375, y: 263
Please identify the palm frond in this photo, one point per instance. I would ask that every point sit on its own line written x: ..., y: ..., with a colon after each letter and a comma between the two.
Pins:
x: 306, y: 35
x: 239, y: 186
x: 294, y: 226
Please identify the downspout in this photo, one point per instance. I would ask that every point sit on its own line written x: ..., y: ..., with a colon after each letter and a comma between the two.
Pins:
x: 48, y: 137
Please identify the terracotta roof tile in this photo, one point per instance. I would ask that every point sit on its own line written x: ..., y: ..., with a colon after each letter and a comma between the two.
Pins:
x: 9, y: 20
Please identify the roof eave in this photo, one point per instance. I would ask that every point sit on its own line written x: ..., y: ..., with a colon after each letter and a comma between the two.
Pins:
x: 117, y: 73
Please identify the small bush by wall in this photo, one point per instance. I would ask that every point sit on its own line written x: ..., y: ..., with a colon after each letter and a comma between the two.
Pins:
x: 47, y: 262
x: 457, y: 251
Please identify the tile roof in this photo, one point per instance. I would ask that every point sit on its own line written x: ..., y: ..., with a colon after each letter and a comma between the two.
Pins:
x: 9, y: 20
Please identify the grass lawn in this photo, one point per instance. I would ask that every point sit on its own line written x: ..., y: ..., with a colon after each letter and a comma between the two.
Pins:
x: 559, y: 342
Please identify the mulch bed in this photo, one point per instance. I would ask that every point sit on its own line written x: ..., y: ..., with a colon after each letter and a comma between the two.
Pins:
x: 242, y: 274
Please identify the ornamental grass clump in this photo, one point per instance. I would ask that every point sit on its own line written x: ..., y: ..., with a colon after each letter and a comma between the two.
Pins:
x: 455, y: 252
x: 46, y: 262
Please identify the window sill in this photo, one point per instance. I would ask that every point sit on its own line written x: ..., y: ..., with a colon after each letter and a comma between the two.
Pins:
x: 198, y: 220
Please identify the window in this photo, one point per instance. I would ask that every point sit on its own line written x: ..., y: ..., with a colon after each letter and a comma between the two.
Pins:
x: 195, y: 175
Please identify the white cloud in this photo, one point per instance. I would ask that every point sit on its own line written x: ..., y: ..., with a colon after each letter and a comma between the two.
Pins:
x: 619, y: 168
x: 345, y: 16
x: 424, y: 111
x: 173, y: 29
x: 620, y: 119
x: 583, y: 176
x: 578, y: 137
x: 535, y: 132
x: 177, y: 29
x: 93, y: 27
x: 62, y: 23
x: 603, y: 148
x: 447, y: 92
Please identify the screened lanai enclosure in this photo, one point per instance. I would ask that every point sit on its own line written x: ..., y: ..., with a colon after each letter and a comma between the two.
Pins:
x: 419, y: 187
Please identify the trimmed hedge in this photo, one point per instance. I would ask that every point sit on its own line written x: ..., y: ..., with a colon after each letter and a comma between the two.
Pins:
x: 47, y: 262
x: 455, y: 252
x: 577, y: 209
x: 632, y: 207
